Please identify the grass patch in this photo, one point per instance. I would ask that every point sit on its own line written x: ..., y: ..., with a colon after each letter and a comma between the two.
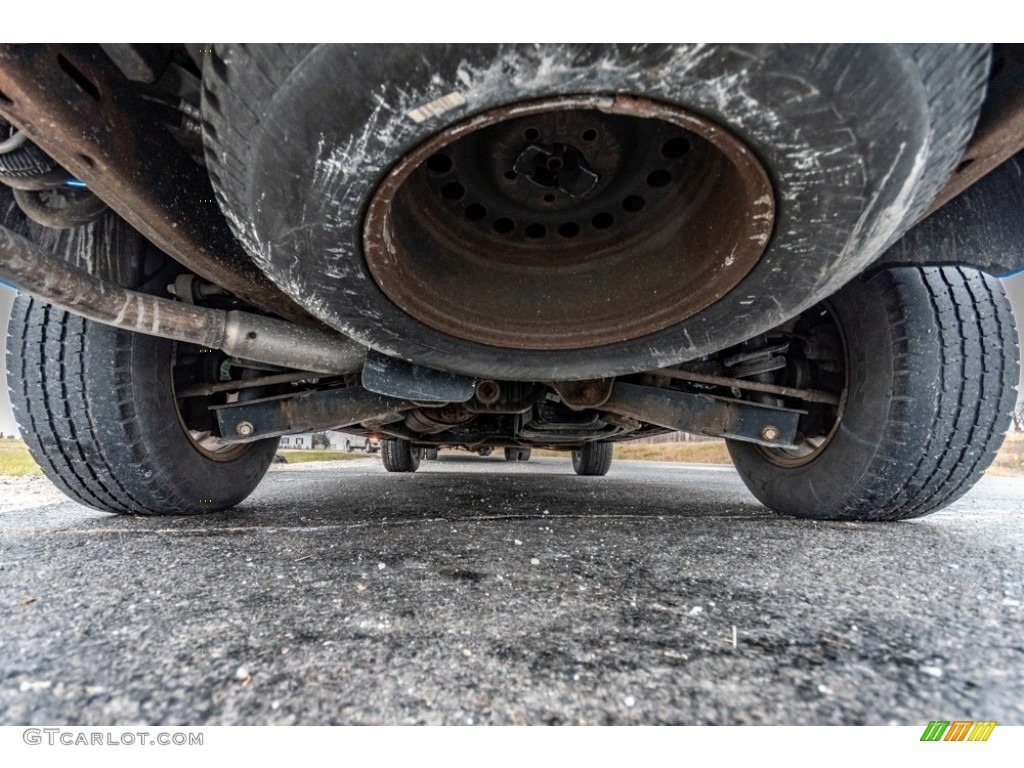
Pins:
x: 709, y: 452
x: 1010, y: 459
x: 299, y: 457
x: 15, y: 460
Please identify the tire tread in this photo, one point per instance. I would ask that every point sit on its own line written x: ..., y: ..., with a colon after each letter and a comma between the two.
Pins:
x: 593, y: 459
x: 952, y: 388
x: 398, y: 455
x: 73, y: 390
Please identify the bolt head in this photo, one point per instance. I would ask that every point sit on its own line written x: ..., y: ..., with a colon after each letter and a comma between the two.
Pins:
x: 244, y: 429
x: 770, y: 433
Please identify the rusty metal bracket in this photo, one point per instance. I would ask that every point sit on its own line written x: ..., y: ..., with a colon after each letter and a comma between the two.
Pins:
x: 580, y: 395
x: 77, y: 106
x: 308, y: 411
x: 706, y: 414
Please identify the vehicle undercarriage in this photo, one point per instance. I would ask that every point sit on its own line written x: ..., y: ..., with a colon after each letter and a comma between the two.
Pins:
x: 794, y: 248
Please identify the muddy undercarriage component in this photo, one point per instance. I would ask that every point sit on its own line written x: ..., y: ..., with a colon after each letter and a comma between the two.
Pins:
x: 397, y: 378
x: 78, y: 107
x: 982, y: 228
x: 431, y: 421
x: 549, y: 423
x: 706, y: 414
x: 307, y: 411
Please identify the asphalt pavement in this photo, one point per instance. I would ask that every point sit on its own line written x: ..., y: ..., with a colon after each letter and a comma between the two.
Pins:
x: 481, y: 592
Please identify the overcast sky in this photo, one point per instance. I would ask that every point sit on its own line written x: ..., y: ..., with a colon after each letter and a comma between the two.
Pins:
x: 1014, y: 286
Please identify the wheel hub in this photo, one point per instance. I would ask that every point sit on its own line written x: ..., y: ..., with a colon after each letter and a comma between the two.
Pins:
x: 559, y: 166
x: 194, y: 414
x: 568, y: 223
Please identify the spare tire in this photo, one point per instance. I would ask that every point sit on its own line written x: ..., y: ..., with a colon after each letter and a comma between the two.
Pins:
x: 313, y: 149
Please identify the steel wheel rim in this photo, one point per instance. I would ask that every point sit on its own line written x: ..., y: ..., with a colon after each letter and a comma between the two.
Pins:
x: 201, y: 437
x: 809, y: 449
x: 590, y: 221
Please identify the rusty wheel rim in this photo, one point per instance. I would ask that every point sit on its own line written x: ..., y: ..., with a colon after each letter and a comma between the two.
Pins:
x: 568, y: 223
x: 194, y: 416
x: 810, y: 447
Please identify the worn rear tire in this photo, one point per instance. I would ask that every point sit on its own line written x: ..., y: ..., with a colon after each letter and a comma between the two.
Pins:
x: 929, y: 396
x: 97, y: 410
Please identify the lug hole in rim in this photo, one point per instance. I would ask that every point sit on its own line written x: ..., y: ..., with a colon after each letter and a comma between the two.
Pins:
x: 633, y: 203
x: 503, y: 226
x: 453, y: 191
x: 673, y: 149
x: 439, y: 163
x: 659, y: 178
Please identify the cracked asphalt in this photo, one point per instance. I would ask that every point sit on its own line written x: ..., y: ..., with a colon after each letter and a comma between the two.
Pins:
x: 477, y: 591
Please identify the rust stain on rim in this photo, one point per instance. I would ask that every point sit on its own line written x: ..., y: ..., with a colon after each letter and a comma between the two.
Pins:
x: 568, y: 223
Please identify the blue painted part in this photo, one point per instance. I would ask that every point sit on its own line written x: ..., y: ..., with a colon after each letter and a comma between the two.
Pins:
x: 75, y: 183
x: 8, y: 285
x: 1011, y: 274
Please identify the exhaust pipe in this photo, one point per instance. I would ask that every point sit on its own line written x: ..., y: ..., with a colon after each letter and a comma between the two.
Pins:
x: 239, y: 334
